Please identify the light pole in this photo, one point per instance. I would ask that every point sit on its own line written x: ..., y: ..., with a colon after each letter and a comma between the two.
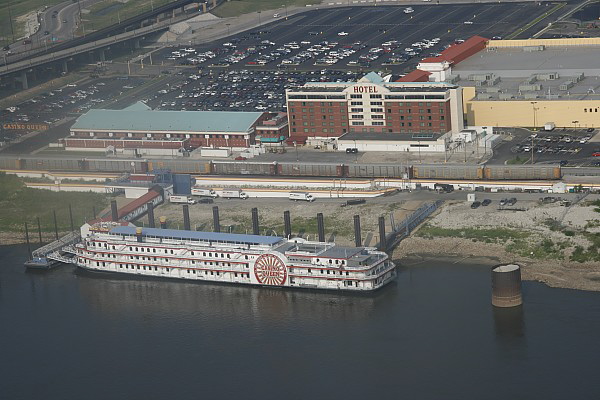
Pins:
x: 285, y: 5
x: 296, y: 147
x: 575, y: 123
x: 227, y: 29
x: 258, y: 18
x: 533, y: 103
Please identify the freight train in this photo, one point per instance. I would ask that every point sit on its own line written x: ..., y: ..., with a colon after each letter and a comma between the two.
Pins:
x: 290, y: 169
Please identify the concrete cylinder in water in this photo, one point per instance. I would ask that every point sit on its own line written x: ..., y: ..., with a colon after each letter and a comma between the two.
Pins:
x: 506, y: 285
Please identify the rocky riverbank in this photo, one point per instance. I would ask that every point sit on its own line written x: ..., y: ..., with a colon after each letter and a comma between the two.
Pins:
x: 547, y: 240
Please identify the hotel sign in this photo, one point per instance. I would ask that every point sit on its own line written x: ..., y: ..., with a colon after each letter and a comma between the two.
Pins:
x: 15, y: 126
x: 365, y: 89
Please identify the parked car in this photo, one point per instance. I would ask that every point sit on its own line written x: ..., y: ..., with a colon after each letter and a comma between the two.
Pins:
x: 503, y: 202
x: 241, y: 158
x: 486, y: 202
x: 511, y: 201
x: 564, y: 162
x: 475, y: 204
x: 205, y: 200
x: 351, y: 150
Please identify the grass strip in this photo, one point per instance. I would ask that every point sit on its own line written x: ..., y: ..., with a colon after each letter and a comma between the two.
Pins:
x: 535, y: 21
x: 239, y: 7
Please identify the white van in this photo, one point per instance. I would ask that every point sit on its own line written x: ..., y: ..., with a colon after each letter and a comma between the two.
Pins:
x: 301, y: 196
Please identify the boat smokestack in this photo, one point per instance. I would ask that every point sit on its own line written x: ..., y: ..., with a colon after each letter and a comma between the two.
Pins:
x: 506, y: 285
x: 382, y: 241
x: 255, y: 225
x: 114, y: 211
x: 186, y: 217
x: 163, y: 222
x: 287, y: 224
x: 138, y: 234
x: 150, y: 206
x: 357, y: 233
x: 320, y: 227
x: 216, y: 224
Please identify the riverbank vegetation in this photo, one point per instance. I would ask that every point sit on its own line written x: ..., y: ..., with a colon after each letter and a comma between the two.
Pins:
x: 20, y: 204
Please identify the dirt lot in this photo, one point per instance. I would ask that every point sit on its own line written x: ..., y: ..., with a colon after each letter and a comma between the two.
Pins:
x: 235, y: 215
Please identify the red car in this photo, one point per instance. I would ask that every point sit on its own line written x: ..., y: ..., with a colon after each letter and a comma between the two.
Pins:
x: 596, y: 154
x: 242, y: 158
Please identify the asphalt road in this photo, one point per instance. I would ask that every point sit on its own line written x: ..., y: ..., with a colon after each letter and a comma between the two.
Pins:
x: 60, y: 27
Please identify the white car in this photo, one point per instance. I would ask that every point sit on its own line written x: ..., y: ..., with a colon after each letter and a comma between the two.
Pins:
x: 342, y: 33
x: 468, y: 22
x: 276, y: 15
x: 408, y: 10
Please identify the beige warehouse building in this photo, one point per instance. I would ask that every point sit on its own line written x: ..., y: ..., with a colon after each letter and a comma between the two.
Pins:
x: 531, y: 82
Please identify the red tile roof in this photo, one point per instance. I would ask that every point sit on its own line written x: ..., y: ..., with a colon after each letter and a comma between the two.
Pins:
x: 459, y: 52
x: 415, y: 76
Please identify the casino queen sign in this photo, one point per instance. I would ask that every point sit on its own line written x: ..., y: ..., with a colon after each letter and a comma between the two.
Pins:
x: 270, y: 270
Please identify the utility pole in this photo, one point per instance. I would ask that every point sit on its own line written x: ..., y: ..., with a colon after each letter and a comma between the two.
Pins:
x: 532, y: 149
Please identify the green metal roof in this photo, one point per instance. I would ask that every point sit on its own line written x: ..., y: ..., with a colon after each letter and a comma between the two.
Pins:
x: 138, y: 106
x: 372, y: 77
x: 193, y: 121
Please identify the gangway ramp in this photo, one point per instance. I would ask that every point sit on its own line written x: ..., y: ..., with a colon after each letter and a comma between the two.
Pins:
x: 61, y: 245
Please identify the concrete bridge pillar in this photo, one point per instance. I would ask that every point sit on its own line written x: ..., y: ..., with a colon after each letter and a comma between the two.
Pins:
x: 101, y: 55
x: 136, y: 44
x: 23, y: 79
x: 65, y: 68
x: 214, y: 3
x: 203, y: 7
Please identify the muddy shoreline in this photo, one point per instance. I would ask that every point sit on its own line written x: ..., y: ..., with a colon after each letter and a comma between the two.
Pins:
x: 561, y: 274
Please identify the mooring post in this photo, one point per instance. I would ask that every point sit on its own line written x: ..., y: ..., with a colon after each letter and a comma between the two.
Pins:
x: 255, y: 225
x: 357, y: 233
x: 114, y: 211
x: 150, y: 206
x: 27, y: 239
x: 287, y: 225
x: 382, y: 241
x: 216, y: 224
x: 186, y: 217
x: 320, y: 227
x: 55, y: 225
x: 71, y: 218
x: 39, y: 230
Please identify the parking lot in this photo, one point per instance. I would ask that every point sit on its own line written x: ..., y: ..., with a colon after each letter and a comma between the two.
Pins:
x: 251, y: 70
x: 569, y: 147
x: 394, y: 37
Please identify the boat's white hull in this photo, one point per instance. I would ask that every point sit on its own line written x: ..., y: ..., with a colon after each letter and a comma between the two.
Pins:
x: 230, y: 278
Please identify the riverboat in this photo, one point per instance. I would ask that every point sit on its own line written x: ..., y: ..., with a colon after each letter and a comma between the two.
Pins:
x: 232, y: 258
